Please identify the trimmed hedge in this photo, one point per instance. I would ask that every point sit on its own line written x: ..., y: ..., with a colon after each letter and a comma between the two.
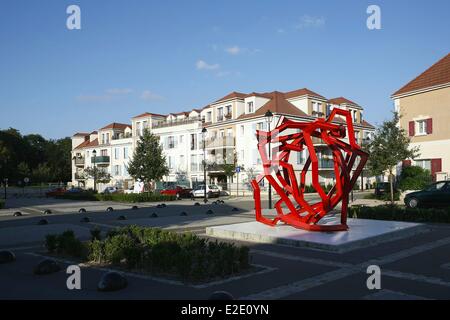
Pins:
x: 161, y: 252
x: 2, y: 204
x: 65, y: 244
x: 397, y: 213
x: 119, y: 197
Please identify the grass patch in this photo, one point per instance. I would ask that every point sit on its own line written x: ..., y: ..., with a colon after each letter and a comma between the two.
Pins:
x: 397, y: 213
x: 119, y: 197
x: 158, y: 252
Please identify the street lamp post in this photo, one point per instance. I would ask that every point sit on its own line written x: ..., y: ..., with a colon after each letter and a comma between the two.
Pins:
x: 95, y: 170
x: 205, y: 200
x: 269, y: 117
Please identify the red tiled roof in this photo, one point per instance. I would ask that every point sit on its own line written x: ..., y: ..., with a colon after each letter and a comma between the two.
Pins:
x: 277, y: 104
x: 118, y: 126
x: 437, y: 74
x: 146, y: 114
x: 87, y: 144
x: 302, y: 92
x: 366, y: 124
x: 232, y: 95
x: 341, y: 100
x: 83, y: 134
x: 256, y: 94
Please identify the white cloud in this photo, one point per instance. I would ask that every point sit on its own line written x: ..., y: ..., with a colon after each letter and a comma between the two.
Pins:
x: 94, y: 98
x: 148, y: 96
x: 307, y: 21
x: 233, y: 50
x: 115, y: 91
x: 202, y: 65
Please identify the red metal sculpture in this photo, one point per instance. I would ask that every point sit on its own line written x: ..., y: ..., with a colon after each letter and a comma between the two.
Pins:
x: 280, y: 173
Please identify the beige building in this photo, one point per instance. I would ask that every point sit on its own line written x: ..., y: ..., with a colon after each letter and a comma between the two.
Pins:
x: 230, y: 122
x: 424, y: 106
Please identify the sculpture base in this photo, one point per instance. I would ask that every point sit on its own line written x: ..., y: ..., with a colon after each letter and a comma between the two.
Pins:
x: 361, y: 233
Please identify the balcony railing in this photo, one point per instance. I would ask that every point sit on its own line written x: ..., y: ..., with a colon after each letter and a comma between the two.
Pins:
x: 79, y: 162
x: 122, y: 136
x: 100, y: 160
x: 176, y: 123
x: 220, y: 142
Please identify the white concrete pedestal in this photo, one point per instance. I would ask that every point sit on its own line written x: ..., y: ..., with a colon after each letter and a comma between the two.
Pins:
x: 361, y: 233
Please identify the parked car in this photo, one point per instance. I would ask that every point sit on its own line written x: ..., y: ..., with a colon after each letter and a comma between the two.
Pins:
x: 382, y: 188
x: 110, y: 190
x: 55, y: 192
x: 211, y: 191
x: 435, y: 195
x: 74, y: 190
x: 178, y: 191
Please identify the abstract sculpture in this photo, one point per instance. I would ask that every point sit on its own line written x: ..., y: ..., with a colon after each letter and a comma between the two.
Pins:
x: 280, y: 173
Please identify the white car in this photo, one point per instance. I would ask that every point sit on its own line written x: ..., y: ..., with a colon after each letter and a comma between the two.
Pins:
x: 211, y: 191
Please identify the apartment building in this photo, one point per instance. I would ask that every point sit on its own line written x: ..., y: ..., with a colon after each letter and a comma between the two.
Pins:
x: 230, y: 124
x: 424, y: 106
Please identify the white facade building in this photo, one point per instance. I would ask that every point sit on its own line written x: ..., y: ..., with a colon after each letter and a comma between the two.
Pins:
x: 230, y: 122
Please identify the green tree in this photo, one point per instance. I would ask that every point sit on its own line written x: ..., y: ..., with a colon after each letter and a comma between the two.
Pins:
x: 23, y: 169
x: 389, y: 147
x: 414, y: 178
x: 42, y: 173
x: 149, y: 163
x: 99, y: 175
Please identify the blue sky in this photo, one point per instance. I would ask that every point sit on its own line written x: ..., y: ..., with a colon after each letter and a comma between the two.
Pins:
x: 169, y: 56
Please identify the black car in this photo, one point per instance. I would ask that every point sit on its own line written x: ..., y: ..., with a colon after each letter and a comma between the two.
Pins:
x: 435, y: 195
x: 382, y: 188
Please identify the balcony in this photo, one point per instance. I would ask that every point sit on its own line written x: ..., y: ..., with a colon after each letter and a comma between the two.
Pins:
x: 101, y: 160
x: 79, y: 176
x: 121, y: 136
x: 220, y: 142
x: 176, y: 123
x: 79, y: 162
x: 317, y: 114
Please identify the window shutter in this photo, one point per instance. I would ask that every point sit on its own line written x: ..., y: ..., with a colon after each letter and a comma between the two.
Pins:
x: 436, y: 166
x: 406, y: 163
x: 411, y: 128
x: 429, y: 126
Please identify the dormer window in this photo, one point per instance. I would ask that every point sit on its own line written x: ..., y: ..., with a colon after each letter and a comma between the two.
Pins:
x: 250, y: 108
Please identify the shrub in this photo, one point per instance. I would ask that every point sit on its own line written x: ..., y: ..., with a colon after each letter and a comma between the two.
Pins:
x: 2, y: 204
x: 397, y: 213
x: 96, y: 234
x: 414, y: 178
x: 65, y: 244
x: 163, y: 252
x: 120, y: 197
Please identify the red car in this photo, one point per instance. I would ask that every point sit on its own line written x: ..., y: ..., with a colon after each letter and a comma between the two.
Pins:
x: 178, y: 191
x: 55, y: 192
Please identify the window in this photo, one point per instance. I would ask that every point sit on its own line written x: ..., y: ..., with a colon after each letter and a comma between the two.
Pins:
x: 250, y: 108
x: 422, y: 127
x: 170, y: 164
x: 260, y: 126
x: 424, y: 164
x: 116, y: 153
x: 104, y: 153
x: 220, y: 114
x: 229, y: 132
x: 329, y: 109
x: 193, y: 141
x: 242, y: 130
x: 181, y: 163
x: 171, y: 142
x: 125, y: 153
x: 194, y: 166
x: 209, y: 116
x: 228, y: 111
x: 116, y: 170
x: 222, y: 133
x: 355, y: 116
x: 181, y: 139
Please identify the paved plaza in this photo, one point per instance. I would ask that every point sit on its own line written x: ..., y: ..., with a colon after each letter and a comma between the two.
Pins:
x: 413, y: 267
